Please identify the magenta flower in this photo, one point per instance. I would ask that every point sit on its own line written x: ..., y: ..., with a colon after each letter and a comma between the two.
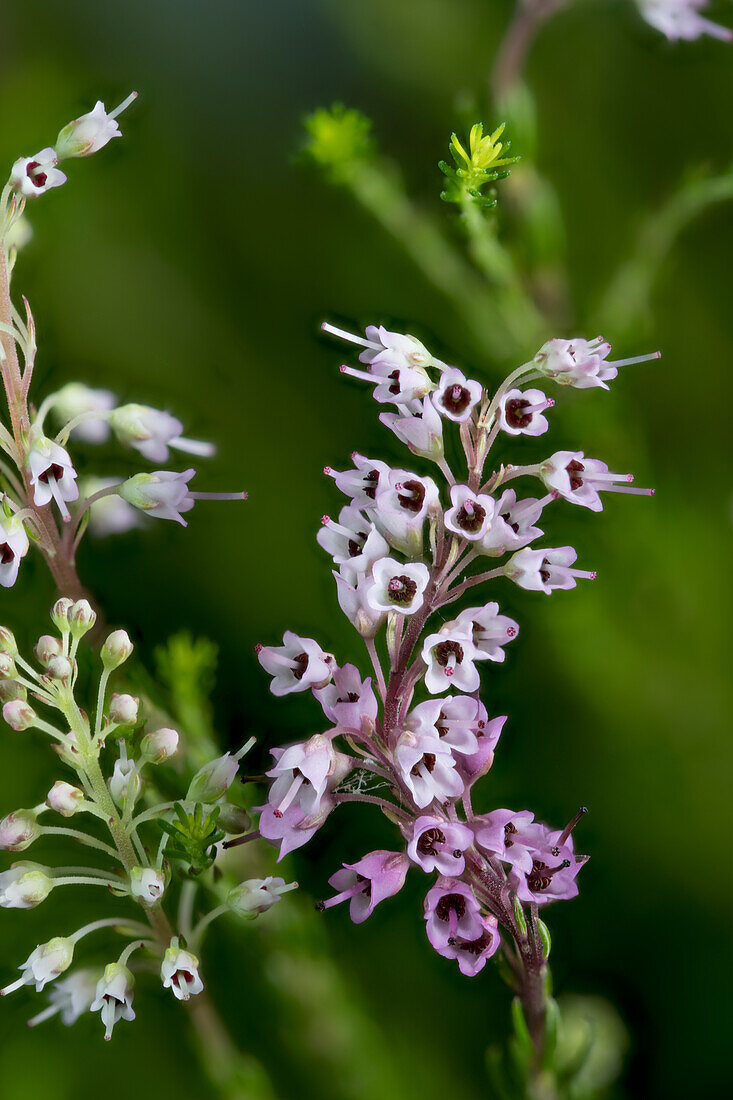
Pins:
x: 473, y: 954
x: 552, y: 875
x: 294, y: 827
x: 451, y: 912
x: 401, y: 509
x: 510, y: 835
x: 582, y: 363
x: 305, y: 771
x: 479, y: 763
x: 297, y: 665
x: 438, y: 845
x: 348, y: 700
x: 364, y: 884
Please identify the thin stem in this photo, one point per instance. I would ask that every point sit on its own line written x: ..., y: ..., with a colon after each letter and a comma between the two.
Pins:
x: 511, y: 57
x: 83, y: 838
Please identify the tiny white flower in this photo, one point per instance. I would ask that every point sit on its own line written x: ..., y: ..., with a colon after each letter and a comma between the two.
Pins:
x: 52, y: 475
x: 113, y: 999
x: 24, y: 886
x: 32, y: 176
x: 44, y: 964
x: 147, y: 885
x: 13, y: 546
x: 76, y: 399
x: 92, y: 131
x: 256, y: 895
x: 180, y: 972
x: 398, y: 586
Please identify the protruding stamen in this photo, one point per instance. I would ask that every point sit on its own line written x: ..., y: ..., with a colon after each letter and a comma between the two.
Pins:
x: 571, y: 824
x: 349, y: 336
x: 219, y: 496
x: 124, y: 105
x: 634, y: 359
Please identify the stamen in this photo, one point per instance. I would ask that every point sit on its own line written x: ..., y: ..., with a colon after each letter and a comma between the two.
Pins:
x: 364, y: 375
x: 194, y: 446
x: 628, y: 489
x: 571, y: 824
x: 290, y: 795
x: 124, y: 105
x: 219, y: 496
x: 56, y: 494
x: 349, y: 336
x: 634, y: 359
x: 345, y: 895
x: 589, y: 575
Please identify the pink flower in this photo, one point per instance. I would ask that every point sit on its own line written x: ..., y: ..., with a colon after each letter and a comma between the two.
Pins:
x: 362, y: 483
x: 456, y: 396
x: 305, y: 771
x: 471, y: 514
x: 490, y: 631
x: 354, y: 603
x: 452, y: 719
x: 545, y: 570
x: 582, y: 363
x: 364, y: 884
x: 451, y: 912
x: 679, y: 20
x: 420, y: 429
x: 512, y: 526
x: 449, y: 658
x: 580, y: 479
x: 510, y: 835
x: 552, y: 876
x: 354, y: 542
x: 521, y: 413
x: 294, y: 827
x: 348, y: 700
x: 479, y: 763
x: 296, y: 665
x: 32, y: 176
x: 438, y: 845
x: 398, y: 586
x: 401, y: 509
x: 427, y: 767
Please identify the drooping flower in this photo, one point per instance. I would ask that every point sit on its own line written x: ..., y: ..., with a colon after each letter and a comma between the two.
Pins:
x: 398, y: 586
x: 257, y: 895
x: 92, y: 131
x: 76, y: 399
x: 52, y: 475
x: 680, y: 20
x: 427, y: 768
x: 449, y: 657
x: 71, y: 997
x: 348, y: 700
x: 545, y: 570
x: 580, y: 480
x: 44, y: 964
x: 354, y: 542
x: 297, y: 665
x: 470, y: 514
x: 473, y: 954
x: 113, y: 998
x: 304, y: 772
x: 480, y: 762
x: 147, y: 885
x: 180, y: 972
x: 294, y: 827
x: 24, y: 886
x: 451, y: 912
x: 513, y: 524
x: 32, y: 176
x: 355, y: 605
x: 13, y: 546
x: 453, y: 719
x: 362, y: 483
x: 420, y: 429
x: 152, y: 433
x: 520, y: 413
x: 438, y: 845
x: 365, y: 883
x: 509, y: 834
x: 456, y: 396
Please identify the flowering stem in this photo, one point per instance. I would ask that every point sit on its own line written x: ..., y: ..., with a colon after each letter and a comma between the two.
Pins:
x: 529, y: 15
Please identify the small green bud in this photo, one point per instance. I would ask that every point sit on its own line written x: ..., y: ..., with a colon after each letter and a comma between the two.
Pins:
x: 60, y: 614
x: 233, y: 820
x: 116, y: 649
x: 158, y: 746
x: 19, y: 715
x: 82, y: 618
x: 213, y: 780
x: 7, y: 642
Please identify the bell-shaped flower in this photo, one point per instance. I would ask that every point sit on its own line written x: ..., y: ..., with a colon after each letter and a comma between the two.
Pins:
x: 680, y: 20
x: 213, y: 780
x: 125, y: 783
x: 400, y: 385
x: 24, y: 886
x: 152, y: 433
x: 180, y: 972
x: 13, y: 546
x: 401, y: 509
x: 76, y: 399
x: 304, y: 772
x: 513, y: 524
x: 52, y: 475
x: 113, y: 998
x: 553, y: 872
x: 449, y: 658
x: 398, y: 586
x: 388, y: 350
x: 162, y: 494
x: 454, y: 719
x: 44, y: 964
x: 32, y: 176
x: 355, y: 605
x: 520, y: 413
x: 92, y: 131
x: 583, y: 363
x: 348, y: 700
x: 451, y: 912
x: 509, y: 834
x: 471, y: 514
x: 427, y: 768
x: 294, y: 827
x: 420, y: 429
x: 490, y: 631
x: 472, y: 766
x: 545, y: 570
x: 456, y: 396
x: 363, y: 482
x: 257, y: 895
x: 580, y: 480
x: 147, y: 885
x: 365, y: 883
x: 473, y: 954
x: 297, y: 665
x: 354, y: 542
x: 438, y: 845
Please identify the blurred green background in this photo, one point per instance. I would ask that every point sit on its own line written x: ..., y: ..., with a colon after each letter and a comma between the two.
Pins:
x: 188, y: 266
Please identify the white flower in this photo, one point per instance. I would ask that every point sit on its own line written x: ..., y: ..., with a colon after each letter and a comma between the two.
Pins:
x: 124, y: 783
x: 256, y: 895
x: 420, y: 429
x: 449, y: 657
x: 471, y: 513
x: 180, y: 972
x: 513, y: 524
x: 13, y: 546
x: 456, y: 395
x: 398, y: 586
x: 521, y: 413
x: 71, y: 997
x: 362, y: 483
x: 147, y: 885
x: 32, y: 176
x: 490, y: 631
x: 427, y: 767
x: 52, y: 475
x: 353, y: 601
x: 296, y: 665
x: 92, y: 131
x: 580, y: 480
x: 152, y: 432
x: 354, y: 542
x: 76, y: 399
x: 113, y: 996
x: 401, y: 508
x: 163, y: 494
x: 24, y: 886
x: 44, y: 964
x: 679, y: 19
x: 544, y: 570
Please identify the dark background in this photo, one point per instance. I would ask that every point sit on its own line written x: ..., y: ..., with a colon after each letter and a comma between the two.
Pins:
x: 188, y: 266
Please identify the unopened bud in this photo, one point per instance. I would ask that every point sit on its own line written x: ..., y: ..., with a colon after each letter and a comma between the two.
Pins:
x: 8, y: 671
x: 214, y: 779
x: 46, y: 648
x: 60, y: 613
x: 116, y: 649
x: 233, y: 820
x: 82, y: 618
x: 125, y: 783
x: 256, y: 895
x: 7, y: 642
x: 158, y: 746
x: 18, y: 830
x: 64, y: 798
x: 60, y: 668
x: 123, y: 710
x: 24, y: 886
x: 11, y: 690
x: 19, y: 715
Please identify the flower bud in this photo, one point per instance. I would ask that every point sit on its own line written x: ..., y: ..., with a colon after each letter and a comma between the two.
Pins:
x: 116, y: 649
x: 60, y: 613
x: 158, y: 746
x: 18, y: 830
x: 125, y: 782
x: 233, y: 820
x: 147, y: 885
x: 46, y: 648
x: 11, y: 690
x: 214, y: 779
x: 256, y: 895
x: 82, y: 618
x: 60, y: 668
x: 64, y: 798
x: 8, y: 671
x: 123, y: 710
x: 19, y: 715
x: 7, y: 642
x: 24, y: 886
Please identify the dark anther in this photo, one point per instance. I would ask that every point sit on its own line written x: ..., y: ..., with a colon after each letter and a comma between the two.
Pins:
x: 456, y: 399
x: 428, y: 843
x: 514, y: 413
x: 443, y: 651
x: 301, y: 661
x: 575, y: 469
x: 411, y: 495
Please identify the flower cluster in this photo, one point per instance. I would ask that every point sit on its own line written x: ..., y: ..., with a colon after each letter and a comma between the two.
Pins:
x: 413, y: 737
x: 43, y: 499
x: 114, y: 756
